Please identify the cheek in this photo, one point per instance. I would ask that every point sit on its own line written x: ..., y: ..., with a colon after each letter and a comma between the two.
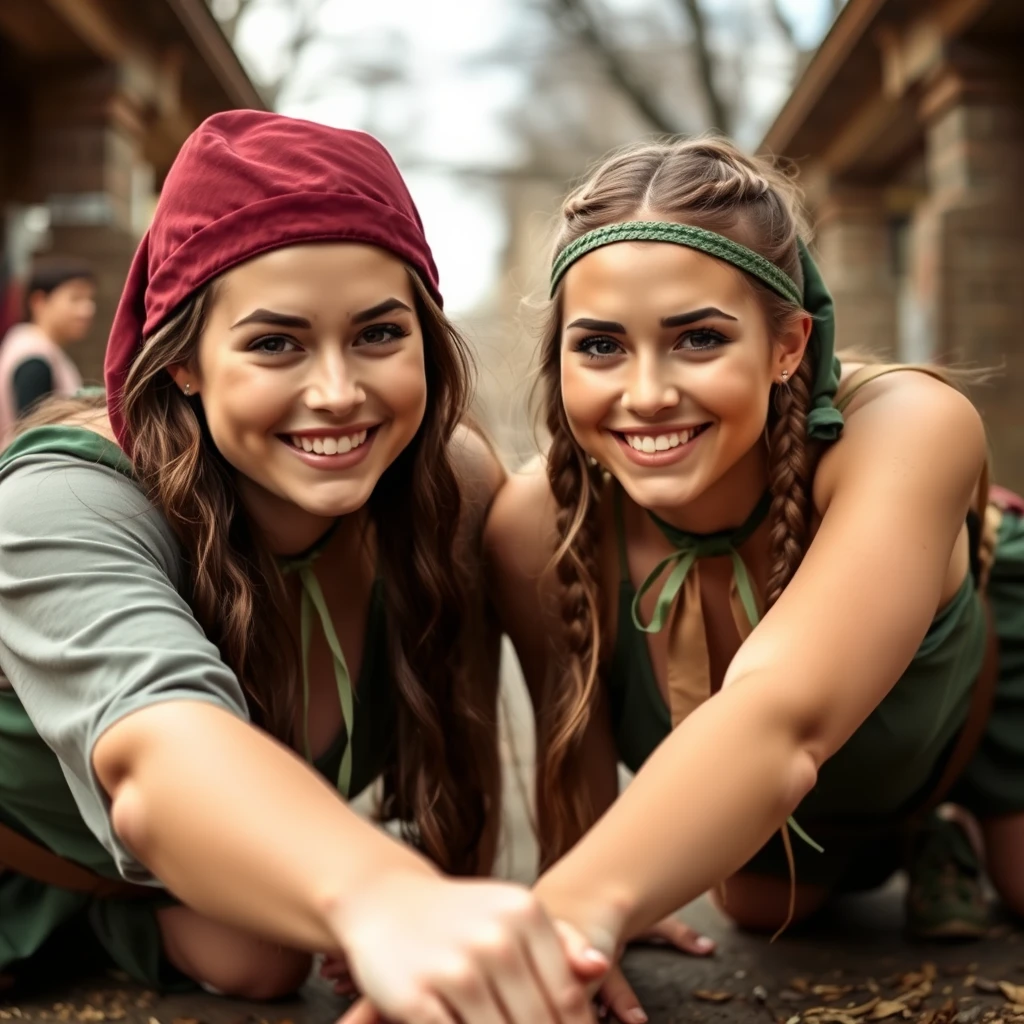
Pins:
x: 586, y: 396
x: 401, y: 383
x: 240, y: 399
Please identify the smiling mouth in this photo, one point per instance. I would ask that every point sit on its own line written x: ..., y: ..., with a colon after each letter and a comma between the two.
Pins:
x: 650, y: 443
x: 328, y: 445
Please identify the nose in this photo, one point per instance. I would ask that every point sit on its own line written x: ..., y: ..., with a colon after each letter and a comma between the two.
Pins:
x: 332, y: 386
x: 647, y: 391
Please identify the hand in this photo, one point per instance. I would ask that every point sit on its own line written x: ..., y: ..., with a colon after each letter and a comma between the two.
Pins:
x: 427, y: 950
x: 335, y: 969
x: 617, y: 995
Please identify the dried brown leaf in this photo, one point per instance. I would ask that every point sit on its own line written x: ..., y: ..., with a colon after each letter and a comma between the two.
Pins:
x: 706, y: 995
x: 887, y: 1008
x: 859, y: 1011
x: 1013, y: 993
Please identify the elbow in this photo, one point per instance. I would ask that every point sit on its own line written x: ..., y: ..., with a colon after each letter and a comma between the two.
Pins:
x: 801, y: 777
x: 130, y: 819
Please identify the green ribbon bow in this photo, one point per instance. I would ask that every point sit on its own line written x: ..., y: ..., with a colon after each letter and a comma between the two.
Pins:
x: 313, y: 601
x: 690, y: 547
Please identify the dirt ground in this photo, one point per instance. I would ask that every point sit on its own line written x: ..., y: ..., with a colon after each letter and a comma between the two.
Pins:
x: 852, y: 966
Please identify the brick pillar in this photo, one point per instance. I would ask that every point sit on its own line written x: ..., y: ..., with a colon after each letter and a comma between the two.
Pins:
x: 970, y: 248
x: 855, y: 249
x: 87, y: 167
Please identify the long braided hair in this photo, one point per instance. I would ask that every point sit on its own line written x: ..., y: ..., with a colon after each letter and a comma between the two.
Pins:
x: 706, y: 182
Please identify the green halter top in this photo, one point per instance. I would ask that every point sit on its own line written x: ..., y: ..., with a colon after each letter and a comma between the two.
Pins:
x: 887, y: 762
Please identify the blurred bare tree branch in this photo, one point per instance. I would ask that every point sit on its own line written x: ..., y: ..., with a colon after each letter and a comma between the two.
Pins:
x: 303, y: 16
x: 784, y: 24
x: 721, y: 116
x: 591, y: 32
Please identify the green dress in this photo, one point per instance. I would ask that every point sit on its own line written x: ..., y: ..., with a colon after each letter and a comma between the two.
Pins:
x: 36, y: 796
x: 894, y: 758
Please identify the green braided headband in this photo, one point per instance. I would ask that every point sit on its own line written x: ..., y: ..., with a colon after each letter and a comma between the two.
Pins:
x: 824, y: 421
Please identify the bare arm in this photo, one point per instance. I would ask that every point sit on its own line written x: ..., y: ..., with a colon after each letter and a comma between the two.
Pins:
x: 270, y: 848
x: 821, y: 660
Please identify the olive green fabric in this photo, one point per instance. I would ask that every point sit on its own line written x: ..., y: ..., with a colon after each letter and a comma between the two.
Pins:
x: 889, y: 763
x: 46, y: 796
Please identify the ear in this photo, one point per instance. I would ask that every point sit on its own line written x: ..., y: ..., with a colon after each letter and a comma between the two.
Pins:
x: 186, y: 380
x: 789, y: 348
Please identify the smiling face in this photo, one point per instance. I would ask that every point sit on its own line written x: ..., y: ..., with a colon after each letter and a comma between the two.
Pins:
x: 666, y: 373
x: 310, y: 369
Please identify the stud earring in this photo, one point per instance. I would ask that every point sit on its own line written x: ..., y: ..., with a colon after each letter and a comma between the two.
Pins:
x: 188, y: 390
x: 785, y: 375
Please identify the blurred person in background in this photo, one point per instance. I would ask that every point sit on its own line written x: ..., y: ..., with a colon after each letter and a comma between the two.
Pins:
x: 60, y: 304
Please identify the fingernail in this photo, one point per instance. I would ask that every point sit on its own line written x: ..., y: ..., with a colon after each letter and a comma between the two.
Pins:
x: 705, y: 944
x: 637, y: 1016
x: 595, y: 956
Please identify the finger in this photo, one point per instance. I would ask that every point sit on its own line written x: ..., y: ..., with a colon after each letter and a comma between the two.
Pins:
x: 683, y: 937
x: 618, y: 995
x: 361, y: 1012
x: 588, y: 963
x: 549, y: 960
x: 517, y: 987
x: 335, y: 969
x: 425, y: 1010
x: 472, y: 999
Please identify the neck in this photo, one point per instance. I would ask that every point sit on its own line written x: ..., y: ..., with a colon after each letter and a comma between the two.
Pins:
x: 288, y: 529
x: 728, y: 502
x: 45, y: 329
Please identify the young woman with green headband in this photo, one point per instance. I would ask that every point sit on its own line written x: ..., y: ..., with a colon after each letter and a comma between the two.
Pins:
x: 746, y: 573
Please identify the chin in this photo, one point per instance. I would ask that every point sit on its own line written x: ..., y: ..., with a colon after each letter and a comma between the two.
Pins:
x: 333, y: 506
x: 661, y: 494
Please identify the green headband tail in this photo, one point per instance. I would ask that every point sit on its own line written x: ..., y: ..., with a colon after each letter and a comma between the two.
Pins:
x: 824, y: 421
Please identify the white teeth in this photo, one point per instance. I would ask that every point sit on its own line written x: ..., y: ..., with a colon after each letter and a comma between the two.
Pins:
x: 660, y: 443
x: 329, y: 445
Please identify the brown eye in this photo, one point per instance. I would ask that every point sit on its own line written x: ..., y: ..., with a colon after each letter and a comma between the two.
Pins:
x: 380, y: 334
x: 702, y: 341
x: 599, y: 346
x: 272, y: 345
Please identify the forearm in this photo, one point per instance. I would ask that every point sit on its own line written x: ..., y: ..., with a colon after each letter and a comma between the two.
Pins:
x: 237, y: 827
x: 708, y: 798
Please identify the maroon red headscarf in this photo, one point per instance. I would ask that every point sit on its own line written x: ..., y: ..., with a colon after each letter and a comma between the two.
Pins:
x: 246, y: 182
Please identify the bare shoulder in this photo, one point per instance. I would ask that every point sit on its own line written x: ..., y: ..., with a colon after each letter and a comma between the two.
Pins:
x: 477, y: 466
x: 909, y: 419
x: 520, y: 536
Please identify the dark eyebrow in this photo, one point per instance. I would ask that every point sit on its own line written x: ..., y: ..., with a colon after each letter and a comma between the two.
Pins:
x: 708, y: 313
x: 268, y: 316
x: 387, y: 306
x: 598, y: 325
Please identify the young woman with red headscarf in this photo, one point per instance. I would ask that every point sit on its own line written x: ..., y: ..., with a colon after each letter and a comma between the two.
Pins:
x: 248, y: 589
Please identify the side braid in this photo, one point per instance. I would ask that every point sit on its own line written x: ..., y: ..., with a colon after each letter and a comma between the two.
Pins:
x: 563, y: 809
x: 790, y: 473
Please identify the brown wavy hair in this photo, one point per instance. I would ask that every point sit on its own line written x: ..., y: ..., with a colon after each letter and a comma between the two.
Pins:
x: 705, y: 182
x: 442, y: 780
